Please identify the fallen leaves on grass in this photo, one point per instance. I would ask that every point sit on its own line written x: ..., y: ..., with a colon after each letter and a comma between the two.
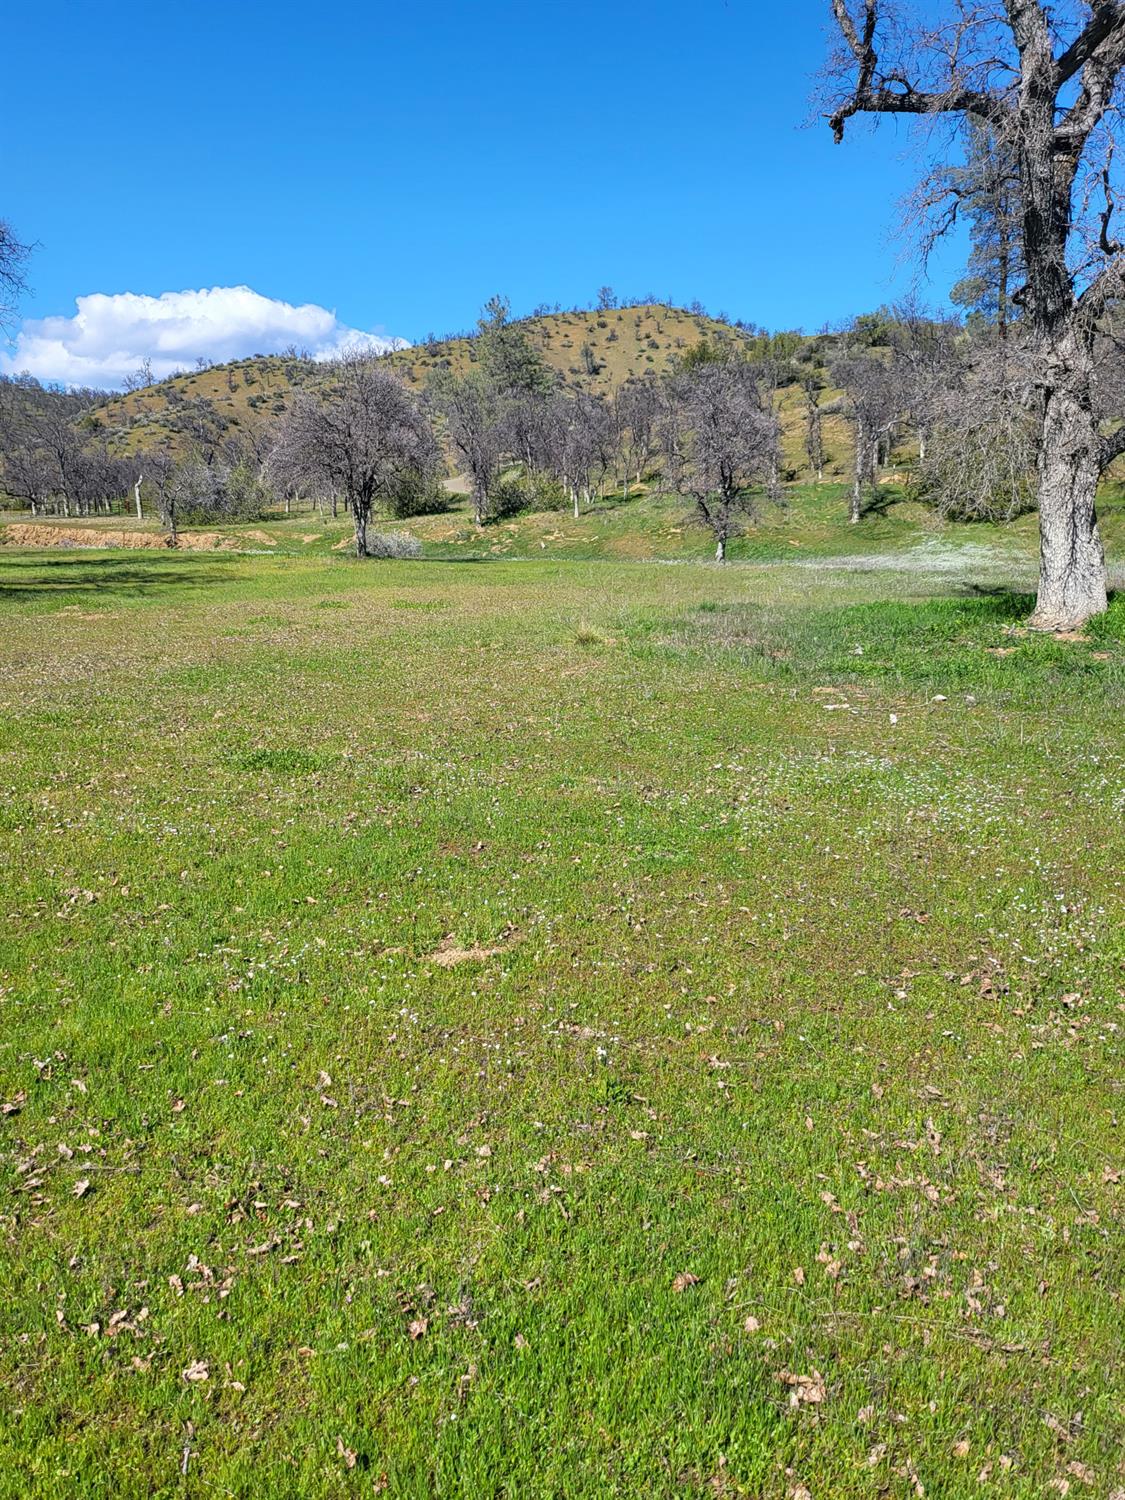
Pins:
x: 197, y: 1371
x: 804, y: 1389
x: 685, y: 1279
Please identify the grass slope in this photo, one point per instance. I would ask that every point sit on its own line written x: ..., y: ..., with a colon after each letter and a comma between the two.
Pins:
x: 552, y: 1028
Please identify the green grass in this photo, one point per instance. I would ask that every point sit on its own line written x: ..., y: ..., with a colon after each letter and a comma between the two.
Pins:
x: 791, y: 969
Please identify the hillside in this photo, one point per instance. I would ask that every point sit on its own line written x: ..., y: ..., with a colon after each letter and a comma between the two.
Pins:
x: 597, y: 351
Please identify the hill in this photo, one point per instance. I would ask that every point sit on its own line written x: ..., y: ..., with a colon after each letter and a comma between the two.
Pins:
x: 593, y: 350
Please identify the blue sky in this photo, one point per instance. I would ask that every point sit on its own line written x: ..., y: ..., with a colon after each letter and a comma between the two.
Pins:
x: 397, y: 164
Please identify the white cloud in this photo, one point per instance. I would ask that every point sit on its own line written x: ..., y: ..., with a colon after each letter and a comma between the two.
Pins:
x: 110, y: 336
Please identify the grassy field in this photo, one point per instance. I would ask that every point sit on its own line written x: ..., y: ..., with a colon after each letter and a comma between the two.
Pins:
x: 559, y: 1027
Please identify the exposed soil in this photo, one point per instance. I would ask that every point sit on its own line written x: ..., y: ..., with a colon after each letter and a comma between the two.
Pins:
x: 28, y: 534
x: 448, y: 955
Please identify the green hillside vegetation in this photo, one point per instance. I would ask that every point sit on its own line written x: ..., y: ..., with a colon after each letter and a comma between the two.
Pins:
x: 597, y: 351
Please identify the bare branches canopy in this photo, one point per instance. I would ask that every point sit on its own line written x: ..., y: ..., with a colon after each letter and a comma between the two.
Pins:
x: 362, y: 434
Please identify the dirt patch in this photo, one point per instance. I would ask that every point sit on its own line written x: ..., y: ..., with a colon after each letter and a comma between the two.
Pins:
x: 27, y: 534
x: 260, y: 536
x: 447, y: 954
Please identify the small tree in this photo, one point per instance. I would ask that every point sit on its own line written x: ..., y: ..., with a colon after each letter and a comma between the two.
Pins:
x: 474, y: 415
x: 160, y: 471
x: 720, y: 440
x: 507, y: 355
x: 873, y: 403
x: 811, y: 386
x: 638, y: 411
x: 362, y: 432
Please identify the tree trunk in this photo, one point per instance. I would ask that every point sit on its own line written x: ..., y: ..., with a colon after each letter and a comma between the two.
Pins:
x: 359, y: 516
x: 137, y: 494
x: 861, y: 461
x: 1072, y: 581
x: 721, y: 549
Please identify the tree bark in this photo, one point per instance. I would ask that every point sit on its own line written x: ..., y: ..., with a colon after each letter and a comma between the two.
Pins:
x: 1072, y: 578
x: 855, y: 508
x: 721, y: 549
x: 359, y: 516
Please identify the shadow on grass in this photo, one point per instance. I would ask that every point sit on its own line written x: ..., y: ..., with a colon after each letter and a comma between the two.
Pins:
x: 25, y: 578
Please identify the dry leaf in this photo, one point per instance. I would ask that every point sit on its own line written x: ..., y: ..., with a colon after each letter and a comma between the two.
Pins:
x: 197, y: 1370
x: 799, y: 1275
x: 804, y: 1388
x: 417, y: 1327
x: 683, y: 1281
x: 81, y: 1187
x: 751, y: 1325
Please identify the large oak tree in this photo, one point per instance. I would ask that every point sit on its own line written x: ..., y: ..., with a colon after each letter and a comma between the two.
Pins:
x: 1045, y: 80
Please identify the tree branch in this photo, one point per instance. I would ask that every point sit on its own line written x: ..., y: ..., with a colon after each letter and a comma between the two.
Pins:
x: 1112, y: 447
x: 1107, y: 17
x: 892, y: 93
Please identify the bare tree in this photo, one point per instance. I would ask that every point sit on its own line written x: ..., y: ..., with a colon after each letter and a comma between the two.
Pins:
x: 638, y: 407
x: 474, y: 415
x: 1046, y: 81
x: 923, y: 347
x: 873, y: 404
x: 983, y: 419
x: 361, y: 432
x: 589, y: 446
x: 811, y: 387
x: 720, y: 439
x: 160, y: 470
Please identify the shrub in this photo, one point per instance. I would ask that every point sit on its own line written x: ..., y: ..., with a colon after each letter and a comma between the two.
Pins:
x: 508, y: 497
x: 393, y: 544
x: 417, y: 495
x: 521, y: 493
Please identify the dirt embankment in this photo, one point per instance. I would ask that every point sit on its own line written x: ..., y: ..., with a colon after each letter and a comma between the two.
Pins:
x: 28, y: 534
